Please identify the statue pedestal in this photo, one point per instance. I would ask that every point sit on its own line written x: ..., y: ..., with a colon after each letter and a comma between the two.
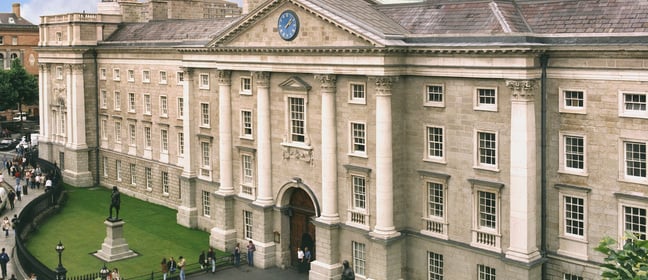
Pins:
x: 114, y: 246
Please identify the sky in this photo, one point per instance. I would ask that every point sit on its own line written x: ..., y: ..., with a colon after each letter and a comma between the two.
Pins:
x: 33, y: 9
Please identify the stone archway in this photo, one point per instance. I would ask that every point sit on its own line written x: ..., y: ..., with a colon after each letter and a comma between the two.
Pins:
x: 302, y: 230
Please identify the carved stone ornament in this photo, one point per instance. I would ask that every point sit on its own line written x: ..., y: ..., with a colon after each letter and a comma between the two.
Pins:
x: 522, y: 90
x: 262, y: 79
x: 328, y: 82
x: 225, y: 77
x: 291, y: 152
x: 384, y: 84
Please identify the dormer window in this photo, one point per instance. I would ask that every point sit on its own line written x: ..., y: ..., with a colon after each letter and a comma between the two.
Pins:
x: 11, y: 20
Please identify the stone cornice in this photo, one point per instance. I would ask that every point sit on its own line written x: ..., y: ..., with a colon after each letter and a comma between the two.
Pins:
x: 364, y: 50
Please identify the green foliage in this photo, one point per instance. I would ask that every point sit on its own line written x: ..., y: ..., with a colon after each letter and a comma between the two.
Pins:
x: 17, y: 87
x: 629, y: 262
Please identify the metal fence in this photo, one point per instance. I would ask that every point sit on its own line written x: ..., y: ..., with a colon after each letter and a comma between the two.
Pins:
x: 34, y: 213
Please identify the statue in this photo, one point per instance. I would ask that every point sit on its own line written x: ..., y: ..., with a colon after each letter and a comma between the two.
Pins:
x: 115, y: 201
x: 347, y: 272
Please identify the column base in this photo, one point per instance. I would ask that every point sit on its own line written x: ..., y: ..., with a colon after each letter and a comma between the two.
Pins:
x: 523, y: 257
x: 380, y: 234
x: 329, y: 220
x: 187, y: 216
x: 224, y: 240
x: 323, y: 271
x: 264, y: 256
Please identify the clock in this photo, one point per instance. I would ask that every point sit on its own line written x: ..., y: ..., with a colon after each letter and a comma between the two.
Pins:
x: 288, y: 25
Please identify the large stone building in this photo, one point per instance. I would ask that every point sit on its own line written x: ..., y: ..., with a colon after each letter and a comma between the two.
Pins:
x: 434, y: 140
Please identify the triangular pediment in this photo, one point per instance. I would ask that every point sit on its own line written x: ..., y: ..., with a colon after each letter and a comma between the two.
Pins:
x: 295, y: 84
x: 260, y: 29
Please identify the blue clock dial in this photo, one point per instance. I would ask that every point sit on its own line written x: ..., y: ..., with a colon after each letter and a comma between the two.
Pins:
x: 288, y: 25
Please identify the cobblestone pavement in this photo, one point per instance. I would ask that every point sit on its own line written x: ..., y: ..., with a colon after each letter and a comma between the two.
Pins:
x: 245, y: 272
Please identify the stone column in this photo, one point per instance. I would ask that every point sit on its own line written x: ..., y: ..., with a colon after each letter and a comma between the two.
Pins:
x: 43, y: 102
x: 69, y: 92
x: 384, y: 167
x: 76, y: 116
x: 225, y: 132
x: 329, y: 151
x: 264, y: 145
x: 524, y: 219
x: 187, y: 211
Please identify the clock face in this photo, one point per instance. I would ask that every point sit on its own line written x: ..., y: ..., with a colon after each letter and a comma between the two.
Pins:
x: 288, y: 25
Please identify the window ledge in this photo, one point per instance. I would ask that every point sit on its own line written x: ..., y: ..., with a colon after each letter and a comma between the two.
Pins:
x: 435, y: 160
x: 574, y: 172
x: 487, y: 168
x: 359, y: 155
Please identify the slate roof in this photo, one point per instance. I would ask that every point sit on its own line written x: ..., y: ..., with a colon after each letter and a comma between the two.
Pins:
x: 170, y: 30
x: 18, y: 21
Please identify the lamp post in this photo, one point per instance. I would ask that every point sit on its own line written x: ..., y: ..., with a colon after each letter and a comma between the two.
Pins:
x: 103, y: 273
x: 60, y: 270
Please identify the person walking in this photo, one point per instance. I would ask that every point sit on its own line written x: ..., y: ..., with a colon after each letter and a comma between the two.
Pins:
x: 11, y: 197
x: 211, y: 258
x: 181, y: 266
x: 300, y: 260
x: 307, y: 259
x: 237, y: 254
x: 165, y: 268
x: 4, y: 259
x: 172, y: 265
x: 6, y: 226
x: 18, y: 191
x: 250, y: 253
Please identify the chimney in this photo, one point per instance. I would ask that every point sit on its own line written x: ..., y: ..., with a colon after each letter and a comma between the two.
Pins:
x: 15, y: 7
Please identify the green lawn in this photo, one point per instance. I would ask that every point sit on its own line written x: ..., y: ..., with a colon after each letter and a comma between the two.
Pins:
x: 150, y: 230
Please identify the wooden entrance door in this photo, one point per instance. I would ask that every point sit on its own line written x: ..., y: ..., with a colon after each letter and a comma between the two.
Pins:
x: 302, y: 231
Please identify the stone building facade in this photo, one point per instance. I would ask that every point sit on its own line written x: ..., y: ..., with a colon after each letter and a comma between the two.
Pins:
x: 457, y: 140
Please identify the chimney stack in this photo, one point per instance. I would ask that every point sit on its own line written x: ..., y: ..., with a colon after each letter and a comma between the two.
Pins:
x: 15, y: 7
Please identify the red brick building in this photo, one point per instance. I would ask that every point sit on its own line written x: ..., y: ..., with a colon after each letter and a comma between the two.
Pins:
x: 18, y: 37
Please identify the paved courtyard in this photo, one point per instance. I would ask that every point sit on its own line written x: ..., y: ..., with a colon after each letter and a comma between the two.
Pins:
x: 245, y: 272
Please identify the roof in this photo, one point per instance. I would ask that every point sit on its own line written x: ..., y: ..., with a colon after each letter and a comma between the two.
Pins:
x: 170, y: 30
x: 7, y: 18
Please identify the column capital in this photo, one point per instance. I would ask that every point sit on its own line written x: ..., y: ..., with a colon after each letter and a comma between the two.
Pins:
x: 43, y: 66
x: 77, y: 67
x: 225, y: 77
x: 188, y: 71
x: 522, y: 90
x: 328, y: 81
x: 384, y: 84
x: 262, y: 79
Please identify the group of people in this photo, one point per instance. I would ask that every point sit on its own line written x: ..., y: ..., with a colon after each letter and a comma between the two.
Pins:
x: 170, y: 266
x: 304, y: 257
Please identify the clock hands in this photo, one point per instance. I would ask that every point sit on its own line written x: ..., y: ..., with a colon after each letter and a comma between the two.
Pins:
x: 289, y: 23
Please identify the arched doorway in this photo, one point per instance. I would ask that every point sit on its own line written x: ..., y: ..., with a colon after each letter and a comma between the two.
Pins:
x: 302, y: 231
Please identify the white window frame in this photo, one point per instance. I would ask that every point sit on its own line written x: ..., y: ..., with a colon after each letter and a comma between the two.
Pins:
x: 117, y: 131
x: 432, y: 145
x: 131, y: 75
x: 164, y: 179
x: 484, y: 236
x: 206, y: 203
x: 570, y: 244
x: 203, y: 81
x: 116, y: 74
x: 132, y: 134
x: 632, y: 203
x: 563, y: 107
x: 148, y: 176
x: 180, y: 107
x: 354, y: 88
x: 434, y: 224
x: 204, y: 115
x: 118, y: 170
x: 358, y: 215
x: 479, y: 106
x: 623, y: 161
x: 147, y: 137
x: 292, y: 133
x: 435, y: 266
x: 131, y: 102
x: 485, y: 272
x: 433, y: 89
x: 148, y: 107
x: 205, y: 159
x: 117, y: 100
x: 133, y: 174
x: 181, y: 149
x: 569, y: 276
x: 246, y: 85
x: 164, y: 141
x: 357, y: 139
x: 247, y: 129
x: 102, y: 74
x: 180, y: 78
x: 104, y: 129
x: 478, y: 151
x: 248, y: 224
x: 359, y: 256
x: 105, y: 167
x: 248, y: 175
x: 163, y: 77
x: 623, y: 112
x: 104, y: 99
x: 563, y: 135
x: 146, y: 76
x: 164, y: 106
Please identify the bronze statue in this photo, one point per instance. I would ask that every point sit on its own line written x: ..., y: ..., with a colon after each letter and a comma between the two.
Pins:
x: 347, y: 271
x: 115, y: 201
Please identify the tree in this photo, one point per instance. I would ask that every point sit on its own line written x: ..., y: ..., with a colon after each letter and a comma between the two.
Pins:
x: 629, y: 262
x: 17, y: 87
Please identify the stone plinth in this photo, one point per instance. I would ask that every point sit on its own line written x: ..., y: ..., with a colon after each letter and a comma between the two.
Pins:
x: 114, y: 246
